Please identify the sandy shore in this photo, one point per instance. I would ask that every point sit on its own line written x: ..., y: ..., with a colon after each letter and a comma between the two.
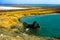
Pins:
x: 11, y: 8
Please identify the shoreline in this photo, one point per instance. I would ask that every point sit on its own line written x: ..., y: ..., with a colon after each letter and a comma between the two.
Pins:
x: 11, y: 16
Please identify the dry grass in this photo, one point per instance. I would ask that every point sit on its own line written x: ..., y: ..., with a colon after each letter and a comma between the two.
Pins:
x: 9, y: 18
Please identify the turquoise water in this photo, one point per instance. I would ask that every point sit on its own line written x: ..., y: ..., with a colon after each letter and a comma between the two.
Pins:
x: 30, y: 4
x: 50, y: 24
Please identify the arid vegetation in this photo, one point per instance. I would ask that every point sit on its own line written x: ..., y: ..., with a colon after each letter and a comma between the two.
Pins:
x: 9, y: 17
x: 12, y: 29
x: 16, y: 33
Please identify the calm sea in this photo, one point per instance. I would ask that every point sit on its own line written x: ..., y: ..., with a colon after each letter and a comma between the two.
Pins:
x: 30, y: 4
x: 49, y: 23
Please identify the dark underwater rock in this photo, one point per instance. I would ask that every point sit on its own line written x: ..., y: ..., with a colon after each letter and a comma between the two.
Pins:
x: 57, y: 37
x: 35, y: 25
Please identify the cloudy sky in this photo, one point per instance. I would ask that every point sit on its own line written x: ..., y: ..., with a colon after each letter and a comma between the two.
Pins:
x: 29, y: 1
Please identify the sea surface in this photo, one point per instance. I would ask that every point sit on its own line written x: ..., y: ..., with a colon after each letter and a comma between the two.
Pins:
x: 49, y: 24
x: 29, y: 4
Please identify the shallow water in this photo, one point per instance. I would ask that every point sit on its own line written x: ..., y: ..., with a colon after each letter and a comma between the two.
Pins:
x: 50, y: 24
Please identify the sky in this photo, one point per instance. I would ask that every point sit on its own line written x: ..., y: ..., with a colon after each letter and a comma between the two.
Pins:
x: 29, y: 1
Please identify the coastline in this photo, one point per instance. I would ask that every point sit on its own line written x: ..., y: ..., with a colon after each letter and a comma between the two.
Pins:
x: 10, y: 18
